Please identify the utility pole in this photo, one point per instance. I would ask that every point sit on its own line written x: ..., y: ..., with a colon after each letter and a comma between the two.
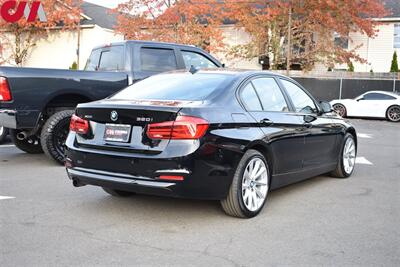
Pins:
x: 78, y: 50
x: 289, y: 42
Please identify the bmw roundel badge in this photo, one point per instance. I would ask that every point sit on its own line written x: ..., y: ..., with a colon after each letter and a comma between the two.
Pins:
x: 114, y: 115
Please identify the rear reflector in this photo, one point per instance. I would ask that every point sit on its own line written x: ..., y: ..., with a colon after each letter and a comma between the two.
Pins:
x: 171, y: 178
x: 184, y: 127
x: 5, y: 94
x: 79, y: 125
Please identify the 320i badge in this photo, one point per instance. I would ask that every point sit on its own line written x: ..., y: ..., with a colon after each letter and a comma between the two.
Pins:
x: 212, y: 134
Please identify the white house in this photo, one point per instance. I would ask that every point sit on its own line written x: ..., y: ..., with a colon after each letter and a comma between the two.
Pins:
x: 377, y: 51
x: 59, y: 50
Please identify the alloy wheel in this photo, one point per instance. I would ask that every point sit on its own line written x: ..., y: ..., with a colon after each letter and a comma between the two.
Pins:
x: 255, y: 184
x: 349, y: 155
x: 340, y: 110
x: 394, y: 114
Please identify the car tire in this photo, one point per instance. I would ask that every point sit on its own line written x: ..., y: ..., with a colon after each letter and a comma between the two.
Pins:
x: 340, y: 110
x: 117, y: 193
x: 393, y: 113
x: 3, y: 134
x: 347, y: 158
x: 236, y: 204
x: 30, y: 145
x: 54, y: 134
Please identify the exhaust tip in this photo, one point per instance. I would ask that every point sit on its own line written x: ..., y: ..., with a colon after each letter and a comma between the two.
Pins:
x: 76, y: 183
x: 22, y: 136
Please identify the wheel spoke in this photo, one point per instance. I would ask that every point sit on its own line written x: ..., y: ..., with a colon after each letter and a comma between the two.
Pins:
x: 261, y: 171
x: 259, y: 194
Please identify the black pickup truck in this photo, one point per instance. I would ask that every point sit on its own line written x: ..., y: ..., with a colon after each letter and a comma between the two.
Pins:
x: 36, y: 104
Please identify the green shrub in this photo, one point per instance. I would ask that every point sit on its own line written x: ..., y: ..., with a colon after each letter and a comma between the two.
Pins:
x: 74, y: 66
x: 350, y: 66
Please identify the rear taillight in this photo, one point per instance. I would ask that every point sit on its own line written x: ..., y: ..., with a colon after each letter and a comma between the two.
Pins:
x: 184, y: 127
x: 5, y: 94
x: 79, y: 125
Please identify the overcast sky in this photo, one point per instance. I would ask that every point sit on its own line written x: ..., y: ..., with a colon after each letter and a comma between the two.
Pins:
x: 106, y: 3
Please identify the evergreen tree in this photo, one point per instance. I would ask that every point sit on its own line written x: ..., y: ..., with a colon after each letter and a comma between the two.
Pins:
x: 395, y: 66
x: 350, y: 67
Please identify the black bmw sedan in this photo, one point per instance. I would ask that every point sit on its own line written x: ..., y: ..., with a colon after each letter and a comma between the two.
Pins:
x: 225, y: 135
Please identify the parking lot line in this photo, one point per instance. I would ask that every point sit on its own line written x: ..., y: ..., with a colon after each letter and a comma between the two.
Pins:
x: 364, y: 135
x: 4, y: 146
x: 363, y: 160
x: 4, y: 197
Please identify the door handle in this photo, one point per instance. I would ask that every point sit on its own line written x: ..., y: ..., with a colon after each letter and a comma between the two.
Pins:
x: 266, y: 121
x: 307, y: 125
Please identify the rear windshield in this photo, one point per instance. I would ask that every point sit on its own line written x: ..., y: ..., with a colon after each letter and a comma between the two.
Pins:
x: 176, y: 86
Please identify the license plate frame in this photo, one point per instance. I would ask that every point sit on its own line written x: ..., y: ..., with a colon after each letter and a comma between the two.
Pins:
x: 119, y: 133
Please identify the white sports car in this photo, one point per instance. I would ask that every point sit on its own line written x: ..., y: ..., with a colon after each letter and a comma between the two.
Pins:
x: 372, y: 104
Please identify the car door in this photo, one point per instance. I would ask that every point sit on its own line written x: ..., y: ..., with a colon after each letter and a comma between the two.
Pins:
x: 266, y: 103
x: 320, y: 133
x: 372, y: 105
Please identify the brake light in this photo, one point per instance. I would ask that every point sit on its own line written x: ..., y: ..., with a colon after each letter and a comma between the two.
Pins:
x: 79, y: 125
x: 184, y: 127
x: 5, y: 94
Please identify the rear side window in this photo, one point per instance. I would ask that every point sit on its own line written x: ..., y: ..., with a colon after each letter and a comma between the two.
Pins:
x: 112, y: 59
x: 302, y: 102
x: 377, y: 96
x: 93, y: 61
x: 250, y: 98
x: 157, y: 60
x: 176, y: 86
x: 270, y: 94
x: 196, y: 60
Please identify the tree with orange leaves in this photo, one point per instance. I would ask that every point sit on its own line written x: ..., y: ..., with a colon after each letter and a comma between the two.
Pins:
x: 194, y: 22
x: 21, y: 36
x: 314, y: 24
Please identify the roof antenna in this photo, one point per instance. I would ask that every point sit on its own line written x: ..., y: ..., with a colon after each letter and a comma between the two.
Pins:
x: 193, y: 69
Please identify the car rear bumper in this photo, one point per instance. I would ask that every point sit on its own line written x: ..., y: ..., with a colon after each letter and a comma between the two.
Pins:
x: 203, y: 177
x: 8, y: 118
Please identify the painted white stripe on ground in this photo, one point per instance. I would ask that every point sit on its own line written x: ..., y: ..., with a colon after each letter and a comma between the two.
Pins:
x: 362, y: 160
x: 4, y: 146
x: 4, y: 197
x: 363, y: 135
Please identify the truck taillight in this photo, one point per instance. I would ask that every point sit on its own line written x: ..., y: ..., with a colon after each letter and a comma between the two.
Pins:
x: 5, y: 94
x: 184, y: 127
x: 79, y: 125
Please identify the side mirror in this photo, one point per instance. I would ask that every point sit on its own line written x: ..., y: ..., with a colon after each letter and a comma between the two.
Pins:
x: 223, y: 65
x: 360, y: 99
x: 325, y: 107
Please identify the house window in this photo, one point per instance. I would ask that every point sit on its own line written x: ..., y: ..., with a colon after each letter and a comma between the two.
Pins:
x: 340, y: 41
x: 396, y: 43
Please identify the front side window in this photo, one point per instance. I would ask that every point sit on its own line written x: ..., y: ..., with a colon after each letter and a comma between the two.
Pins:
x: 377, y: 96
x: 157, y: 59
x: 250, y: 99
x: 270, y: 94
x: 396, y: 43
x: 93, y: 61
x: 112, y: 59
x: 196, y: 60
x: 302, y: 102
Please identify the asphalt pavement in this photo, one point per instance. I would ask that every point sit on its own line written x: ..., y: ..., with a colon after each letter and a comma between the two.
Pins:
x: 45, y: 221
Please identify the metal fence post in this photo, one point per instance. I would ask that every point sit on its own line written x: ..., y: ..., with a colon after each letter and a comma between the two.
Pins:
x: 394, y: 82
x: 340, y: 88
